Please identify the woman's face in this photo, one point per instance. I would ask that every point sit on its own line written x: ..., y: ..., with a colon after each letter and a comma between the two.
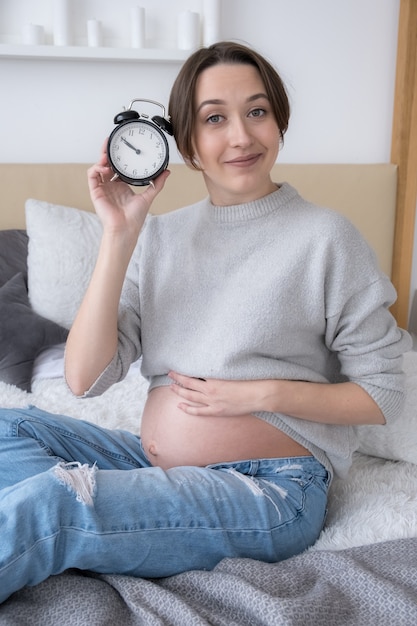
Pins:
x: 236, y: 137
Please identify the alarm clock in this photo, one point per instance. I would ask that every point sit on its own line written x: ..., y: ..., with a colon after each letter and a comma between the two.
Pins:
x: 137, y: 148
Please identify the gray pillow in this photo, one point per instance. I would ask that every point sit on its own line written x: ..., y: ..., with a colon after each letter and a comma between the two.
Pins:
x: 13, y: 254
x: 23, y: 334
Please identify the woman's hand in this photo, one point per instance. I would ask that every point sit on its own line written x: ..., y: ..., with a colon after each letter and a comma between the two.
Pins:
x: 221, y: 398
x: 117, y: 205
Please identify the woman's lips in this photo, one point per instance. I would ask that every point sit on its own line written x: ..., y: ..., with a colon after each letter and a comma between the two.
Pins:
x: 244, y: 161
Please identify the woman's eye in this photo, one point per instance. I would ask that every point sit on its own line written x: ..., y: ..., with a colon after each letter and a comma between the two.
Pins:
x: 257, y: 112
x: 214, y: 119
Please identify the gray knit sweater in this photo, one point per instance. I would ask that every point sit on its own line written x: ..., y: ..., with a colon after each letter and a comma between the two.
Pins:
x: 276, y: 288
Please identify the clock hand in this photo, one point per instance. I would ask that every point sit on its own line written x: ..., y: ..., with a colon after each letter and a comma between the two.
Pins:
x: 130, y: 145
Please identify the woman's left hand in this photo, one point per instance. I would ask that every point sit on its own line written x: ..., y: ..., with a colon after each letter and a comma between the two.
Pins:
x: 221, y: 398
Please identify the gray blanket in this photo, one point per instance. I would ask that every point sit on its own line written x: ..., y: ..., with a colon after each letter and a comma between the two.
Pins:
x: 367, y: 585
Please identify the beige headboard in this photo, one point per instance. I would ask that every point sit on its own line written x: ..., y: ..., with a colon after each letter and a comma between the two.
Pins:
x: 364, y: 193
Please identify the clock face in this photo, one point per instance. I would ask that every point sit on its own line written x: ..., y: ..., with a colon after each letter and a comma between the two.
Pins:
x: 138, y: 151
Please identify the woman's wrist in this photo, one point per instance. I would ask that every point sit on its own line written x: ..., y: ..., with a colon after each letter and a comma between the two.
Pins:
x: 270, y: 394
x: 118, y: 245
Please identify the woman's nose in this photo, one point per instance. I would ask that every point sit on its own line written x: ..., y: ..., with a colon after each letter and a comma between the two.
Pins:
x: 239, y: 134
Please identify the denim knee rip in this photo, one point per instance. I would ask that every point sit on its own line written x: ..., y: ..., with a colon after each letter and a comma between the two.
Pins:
x: 79, y: 479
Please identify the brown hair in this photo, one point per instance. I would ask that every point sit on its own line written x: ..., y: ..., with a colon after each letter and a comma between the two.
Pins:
x: 181, y: 102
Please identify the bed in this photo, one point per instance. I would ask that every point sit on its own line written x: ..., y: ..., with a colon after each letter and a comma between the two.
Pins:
x: 362, y: 569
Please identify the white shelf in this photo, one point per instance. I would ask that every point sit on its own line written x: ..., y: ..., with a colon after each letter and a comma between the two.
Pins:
x: 85, y: 53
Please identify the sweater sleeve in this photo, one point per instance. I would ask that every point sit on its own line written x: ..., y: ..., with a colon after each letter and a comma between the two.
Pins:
x: 359, y: 326
x: 370, y: 345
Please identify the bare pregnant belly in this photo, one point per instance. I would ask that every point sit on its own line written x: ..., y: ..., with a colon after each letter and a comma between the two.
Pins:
x: 172, y: 438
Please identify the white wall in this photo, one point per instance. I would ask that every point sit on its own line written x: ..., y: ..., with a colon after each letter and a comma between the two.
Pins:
x: 337, y: 58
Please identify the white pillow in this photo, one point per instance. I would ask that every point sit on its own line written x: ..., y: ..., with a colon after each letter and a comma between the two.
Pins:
x: 63, y: 247
x: 397, y: 441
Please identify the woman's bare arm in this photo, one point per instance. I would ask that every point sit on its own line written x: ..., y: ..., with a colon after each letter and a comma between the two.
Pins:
x: 92, y: 341
x: 340, y: 403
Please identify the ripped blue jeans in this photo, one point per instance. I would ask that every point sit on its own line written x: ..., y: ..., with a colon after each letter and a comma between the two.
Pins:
x: 74, y: 495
